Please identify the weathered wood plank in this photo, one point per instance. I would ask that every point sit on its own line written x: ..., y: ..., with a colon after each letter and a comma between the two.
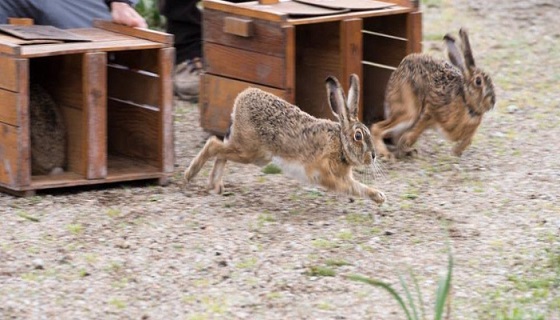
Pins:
x: 351, y: 54
x: 257, y: 67
x: 11, y: 106
x: 317, y: 58
x: 133, y: 131
x: 146, y: 60
x: 384, y: 50
x: 166, y: 58
x: 373, y: 92
x: 267, y: 38
x: 147, y: 34
x: 216, y: 101
x: 10, y: 155
x: 131, y: 85
x: 95, y: 114
x: 10, y: 71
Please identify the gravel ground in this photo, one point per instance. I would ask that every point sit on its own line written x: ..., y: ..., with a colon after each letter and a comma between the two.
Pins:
x: 272, y: 248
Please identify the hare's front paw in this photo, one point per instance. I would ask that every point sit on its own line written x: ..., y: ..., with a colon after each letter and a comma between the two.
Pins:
x: 388, y: 155
x: 407, y: 153
x: 217, y: 188
x: 187, y: 176
x: 378, y: 196
x: 457, y: 151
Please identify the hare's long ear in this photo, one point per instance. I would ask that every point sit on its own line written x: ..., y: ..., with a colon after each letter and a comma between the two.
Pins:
x: 353, y: 96
x: 453, y: 52
x: 467, y: 52
x: 336, y: 99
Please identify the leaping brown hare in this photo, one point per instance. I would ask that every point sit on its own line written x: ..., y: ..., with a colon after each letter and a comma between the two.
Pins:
x: 425, y: 92
x: 266, y: 128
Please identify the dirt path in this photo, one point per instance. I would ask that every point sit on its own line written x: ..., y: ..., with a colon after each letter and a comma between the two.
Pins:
x: 266, y: 249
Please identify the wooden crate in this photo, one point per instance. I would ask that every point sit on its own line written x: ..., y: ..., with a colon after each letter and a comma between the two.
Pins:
x: 116, y: 95
x: 244, y: 45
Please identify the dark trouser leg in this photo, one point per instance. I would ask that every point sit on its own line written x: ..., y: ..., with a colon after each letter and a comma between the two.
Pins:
x: 184, y: 22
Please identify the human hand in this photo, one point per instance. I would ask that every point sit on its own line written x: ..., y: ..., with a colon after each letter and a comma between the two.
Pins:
x: 123, y: 13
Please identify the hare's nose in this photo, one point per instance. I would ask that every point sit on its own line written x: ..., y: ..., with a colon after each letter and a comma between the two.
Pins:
x: 373, y: 155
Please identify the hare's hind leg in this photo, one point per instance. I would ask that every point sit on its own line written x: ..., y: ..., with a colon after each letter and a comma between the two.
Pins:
x: 394, y: 125
x: 408, y: 139
x: 212, y: 147
x: 216, y: 176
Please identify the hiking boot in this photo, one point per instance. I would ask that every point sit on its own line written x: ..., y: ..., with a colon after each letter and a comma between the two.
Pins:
x: 186, y: 82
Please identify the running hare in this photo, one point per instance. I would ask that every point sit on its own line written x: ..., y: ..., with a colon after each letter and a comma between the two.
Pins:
x: 424, y: 92
x: 266, y: 128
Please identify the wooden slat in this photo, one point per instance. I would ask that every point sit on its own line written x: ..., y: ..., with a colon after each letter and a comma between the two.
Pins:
x: 414, y: 32
x: 100, y: 35
x: 8, y: 47
x: 267, y: 38
x: 133, y: 131
x: 406, y: 3
x: 15, y: 165
x: 81, y: 47
x: 166, y: 63
x: 216, y: 101
x: 119, y: 169
x: 10, y: 155
x: 137, y: 59
x: 133, y: 86
x: 20, y: 21
x: 351, y: 53
x: 245, y: 65
x: 317, y: 58
x: 349, y: 15
x: 141, y: 33
x: 242, y: 10
x: 290, y: 45
x: 393, y: 25
x: 11, y: 72
x: 384, y: 50
x: 11, y: 106
x: 373, y: 92
x: 95, y: 114
x: 238, y: 26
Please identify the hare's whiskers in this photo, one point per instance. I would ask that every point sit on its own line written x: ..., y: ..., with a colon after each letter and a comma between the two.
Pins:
x: 379, y: 170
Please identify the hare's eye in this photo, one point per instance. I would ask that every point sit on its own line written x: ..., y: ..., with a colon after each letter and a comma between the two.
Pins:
x: 478, y: 81
x: 358, y: 136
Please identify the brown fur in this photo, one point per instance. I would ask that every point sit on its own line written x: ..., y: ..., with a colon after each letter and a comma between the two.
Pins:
x: 48, y: 133
x: 424, y: 92
x: 265, y: 127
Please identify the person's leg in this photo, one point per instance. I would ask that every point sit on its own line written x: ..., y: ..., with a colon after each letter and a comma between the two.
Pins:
x: 59, y: 13
x: 184, y: 22
x: 73, y: 14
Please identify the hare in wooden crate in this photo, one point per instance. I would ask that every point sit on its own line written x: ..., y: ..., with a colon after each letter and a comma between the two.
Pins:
x: 425, y: 92
x: 48, y: 133
x: 265, y: 128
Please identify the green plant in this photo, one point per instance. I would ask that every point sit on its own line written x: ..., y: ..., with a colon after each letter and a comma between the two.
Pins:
x: 411, y: 311
x: 271, y: 168
x: 150, y: 11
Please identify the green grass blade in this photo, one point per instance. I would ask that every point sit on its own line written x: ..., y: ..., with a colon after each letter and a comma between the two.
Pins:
x: 409, y: 297
x: 419, y: 294
x: 385, y: 286
x: 443, y: 290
